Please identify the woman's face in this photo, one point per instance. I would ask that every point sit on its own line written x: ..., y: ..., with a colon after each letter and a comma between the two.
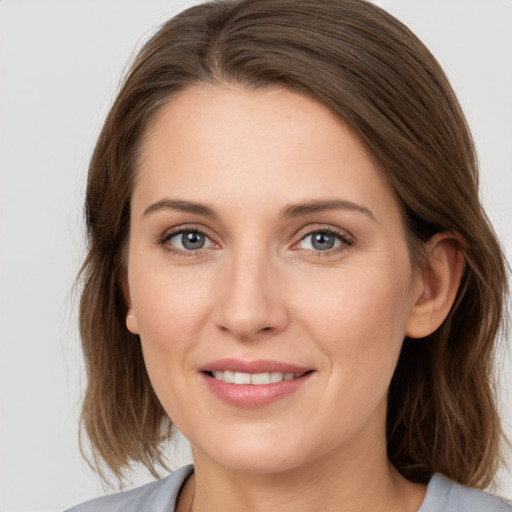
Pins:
x: 266, y: 248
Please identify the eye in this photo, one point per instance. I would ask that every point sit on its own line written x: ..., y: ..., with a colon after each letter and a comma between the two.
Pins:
x: 187, y: 240
x: 324, y: 240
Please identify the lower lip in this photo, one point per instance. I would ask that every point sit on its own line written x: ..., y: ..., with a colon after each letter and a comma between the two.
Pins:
x: 250, y: 395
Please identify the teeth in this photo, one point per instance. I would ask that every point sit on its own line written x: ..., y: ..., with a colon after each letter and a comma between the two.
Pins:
x: 242, y: 378
x: 227, y: 376
x: 276, y: 377
x: 254, y: 378
x: 260, y: 378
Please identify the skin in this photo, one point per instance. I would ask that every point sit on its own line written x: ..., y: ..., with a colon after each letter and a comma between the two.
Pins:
x: 258, y: 289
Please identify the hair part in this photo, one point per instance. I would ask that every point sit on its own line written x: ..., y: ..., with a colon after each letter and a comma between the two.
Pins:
x: 370, y: 70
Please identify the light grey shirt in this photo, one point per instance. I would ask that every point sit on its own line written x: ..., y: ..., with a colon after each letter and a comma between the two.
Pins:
x: 443, y: 495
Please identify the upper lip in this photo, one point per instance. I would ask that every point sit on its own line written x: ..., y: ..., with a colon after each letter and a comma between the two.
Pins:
x: 255, y: 366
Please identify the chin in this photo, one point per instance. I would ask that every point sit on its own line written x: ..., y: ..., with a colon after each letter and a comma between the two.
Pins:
x: 259, y: 463
x: 255, y: 454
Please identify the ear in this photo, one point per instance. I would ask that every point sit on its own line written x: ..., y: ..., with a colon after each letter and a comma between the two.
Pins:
x: 131, y: 319
x: 438, y: 284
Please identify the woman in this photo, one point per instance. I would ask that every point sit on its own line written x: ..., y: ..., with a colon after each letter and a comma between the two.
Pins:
x: 288, y: 260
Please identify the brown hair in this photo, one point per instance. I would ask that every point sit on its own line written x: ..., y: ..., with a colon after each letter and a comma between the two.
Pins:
x: 374, y: 73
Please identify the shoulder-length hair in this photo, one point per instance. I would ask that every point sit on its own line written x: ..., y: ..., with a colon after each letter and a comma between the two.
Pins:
x: 371, y: 71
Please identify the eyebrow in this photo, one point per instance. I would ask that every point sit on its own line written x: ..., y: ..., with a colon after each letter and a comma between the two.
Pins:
x: 290, y: 211
x: 308, y: 207
x: 182, y: 206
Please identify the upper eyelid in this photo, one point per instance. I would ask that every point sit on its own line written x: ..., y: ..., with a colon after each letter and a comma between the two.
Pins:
x: 343, y: 239
x: 172, y: 233
x: 180, y: 228
x: 320, y: 228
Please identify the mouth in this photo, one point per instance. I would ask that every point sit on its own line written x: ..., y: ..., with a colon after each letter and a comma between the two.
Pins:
x: 250, y: 384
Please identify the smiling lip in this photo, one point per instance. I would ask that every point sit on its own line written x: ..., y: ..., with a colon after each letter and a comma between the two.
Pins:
x: 253, y: 395
x: 257, y: 366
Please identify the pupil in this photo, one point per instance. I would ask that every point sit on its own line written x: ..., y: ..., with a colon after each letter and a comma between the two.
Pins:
x: 192, y: 241
x: 322, y: 241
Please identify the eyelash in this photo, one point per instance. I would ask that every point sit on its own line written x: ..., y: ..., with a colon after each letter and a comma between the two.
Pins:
x: 346, y: 242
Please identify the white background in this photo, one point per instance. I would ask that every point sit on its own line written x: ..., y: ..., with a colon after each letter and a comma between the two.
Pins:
x: 60, y: 63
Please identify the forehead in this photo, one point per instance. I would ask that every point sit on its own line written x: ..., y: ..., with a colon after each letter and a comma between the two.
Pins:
x: 272, y: 143
x: 218, y: 111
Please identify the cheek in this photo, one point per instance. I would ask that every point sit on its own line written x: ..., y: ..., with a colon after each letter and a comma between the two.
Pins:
x: 170, y: 315
x: 360, y: 331
x: 168, y: 307
x: 360, y: 321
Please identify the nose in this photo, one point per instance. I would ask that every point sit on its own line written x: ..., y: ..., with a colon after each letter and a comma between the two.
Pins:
x: 251, y: 304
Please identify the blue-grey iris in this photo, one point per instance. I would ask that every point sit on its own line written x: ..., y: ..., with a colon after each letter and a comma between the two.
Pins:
x: 192, y: 240
x: 322, y: 241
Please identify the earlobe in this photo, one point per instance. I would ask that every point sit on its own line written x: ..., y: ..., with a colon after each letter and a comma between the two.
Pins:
x: 131, y: 320
x: 438, y: 287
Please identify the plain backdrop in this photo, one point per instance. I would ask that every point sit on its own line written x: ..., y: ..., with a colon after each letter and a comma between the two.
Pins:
x: 60, y: 65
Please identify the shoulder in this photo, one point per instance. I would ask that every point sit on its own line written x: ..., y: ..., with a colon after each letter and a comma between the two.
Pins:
x: 156, y: 496
x: 444, y: 495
